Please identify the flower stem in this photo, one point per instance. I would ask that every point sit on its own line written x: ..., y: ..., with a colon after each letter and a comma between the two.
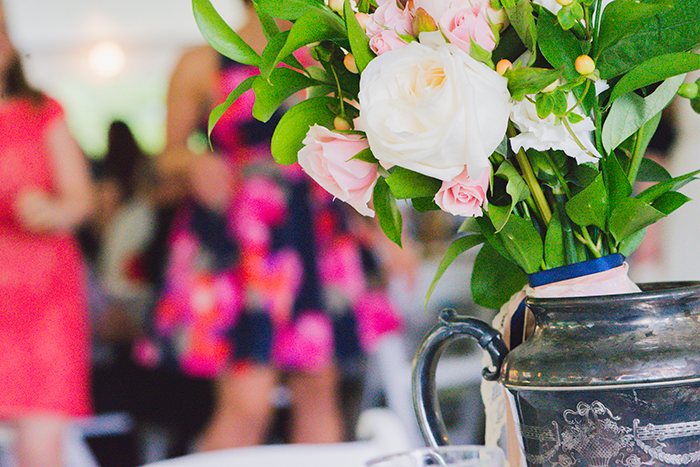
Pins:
x: 532, y: 183
x: 340, y: 93
x: 579, y: 100
x: 578, y: 141
x: 588, y: 241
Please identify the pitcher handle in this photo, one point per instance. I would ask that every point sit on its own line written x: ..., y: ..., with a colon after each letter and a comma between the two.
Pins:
x: 450, y: 328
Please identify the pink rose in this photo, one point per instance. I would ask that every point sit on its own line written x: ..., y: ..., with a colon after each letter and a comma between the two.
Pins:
x: 469, y: 23
x: 388, y: 16
x: 464, y: 21
x: 327, y: 158
x: 464, y: 196
x: 386, y: 41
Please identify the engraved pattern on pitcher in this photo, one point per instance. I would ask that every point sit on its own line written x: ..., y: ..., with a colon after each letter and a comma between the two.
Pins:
x: 592, y: 431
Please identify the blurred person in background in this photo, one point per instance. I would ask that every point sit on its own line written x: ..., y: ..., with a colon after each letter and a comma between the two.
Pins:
x: 118, y: 234
x: 265, y: 278
x: 45, y: 192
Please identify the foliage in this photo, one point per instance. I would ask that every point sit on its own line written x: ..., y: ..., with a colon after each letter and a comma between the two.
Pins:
x: 545, y: 206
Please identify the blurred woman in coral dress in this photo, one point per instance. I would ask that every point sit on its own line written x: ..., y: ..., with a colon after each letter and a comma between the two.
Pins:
x: 45, y: 192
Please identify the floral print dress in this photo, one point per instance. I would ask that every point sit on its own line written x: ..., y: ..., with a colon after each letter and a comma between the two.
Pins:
x: 277, y: 279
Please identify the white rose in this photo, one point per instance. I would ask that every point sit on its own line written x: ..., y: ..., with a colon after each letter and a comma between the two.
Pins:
x: 433, y: 109
x: 554, y: 7
x: 545, y: 133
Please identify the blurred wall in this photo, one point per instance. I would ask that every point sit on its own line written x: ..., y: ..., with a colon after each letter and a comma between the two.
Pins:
x: 59, y: 38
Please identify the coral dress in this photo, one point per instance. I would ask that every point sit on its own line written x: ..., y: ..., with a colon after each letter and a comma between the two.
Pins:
x: 44, y: 359
x: 278, y: 279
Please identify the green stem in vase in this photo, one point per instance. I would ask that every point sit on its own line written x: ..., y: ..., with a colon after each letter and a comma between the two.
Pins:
x: 532, y: 183
x: 568, y: 240
x: 585, y: 238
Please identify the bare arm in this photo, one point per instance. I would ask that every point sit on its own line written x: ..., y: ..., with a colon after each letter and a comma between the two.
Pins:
x: 191, y: 97
x: 188, y: 102
x: 70, y: 205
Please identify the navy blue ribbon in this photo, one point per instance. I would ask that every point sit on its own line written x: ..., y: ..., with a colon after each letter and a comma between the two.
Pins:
x: 571, y: 271
x: 562, y: 273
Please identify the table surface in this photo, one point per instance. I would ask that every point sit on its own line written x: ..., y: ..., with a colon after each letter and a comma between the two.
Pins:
x: 349, y: 454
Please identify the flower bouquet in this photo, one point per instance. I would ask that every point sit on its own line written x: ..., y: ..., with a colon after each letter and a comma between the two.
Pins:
x: 530, y: 119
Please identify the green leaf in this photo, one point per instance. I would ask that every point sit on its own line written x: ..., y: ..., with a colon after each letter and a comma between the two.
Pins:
x: 631, y: 216
x: 315, y: 25
x: 288, y: 9
x: 365, y: 156
x: 641, y: 142
x: 559, y: 47
x: 523, y: 243
x: 267, y: 22
x: 669, y: 202
x: 654, y: 70
x: 569, y: 15
x: 487, y: 229
x: 282, y: 84
x: 516, y: 188
x: 621, y: 45
x: 387, y: 211
x: 269, y: 57
x: 499, y: 215
x: 544, y: 105
x: 523, y: 21
x: 631, y: 243
x: 546, y: 168
x: 530, y: 80
x: 495, y: 279
x: 574, y: 118
x: 652, y: 193
x: 652, y: 171
x: 502, y: 148
x: 294, y: 124
x: 220, y: 35
x: 619, y: 186
x: 424, y: 204
x: 407, y: 184
x: 469, y: 226
x: 554, y: 243
x: 582, y: 175
x: 630, y: 112
x: 359, y: 42
x: 590, y: 206
x: 220, y: 109
x: 559, y: 104
x: 456, y: 248
x: 509, y: 46
x: 479, y: 53
x: 625, y: 17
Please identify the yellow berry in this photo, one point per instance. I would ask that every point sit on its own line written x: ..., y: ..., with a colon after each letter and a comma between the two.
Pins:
x: 340, y: 124
x: 584, y: 65
x: 336, y: 5
x: 502, y: 66
x: 565, y: 2
x: 350, y: 64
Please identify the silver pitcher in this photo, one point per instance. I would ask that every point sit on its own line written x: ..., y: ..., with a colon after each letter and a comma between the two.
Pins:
x: 602, y: 381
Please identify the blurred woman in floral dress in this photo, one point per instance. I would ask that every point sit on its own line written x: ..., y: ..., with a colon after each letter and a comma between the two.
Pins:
x: 44, y: 193
x: 262, y: 266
